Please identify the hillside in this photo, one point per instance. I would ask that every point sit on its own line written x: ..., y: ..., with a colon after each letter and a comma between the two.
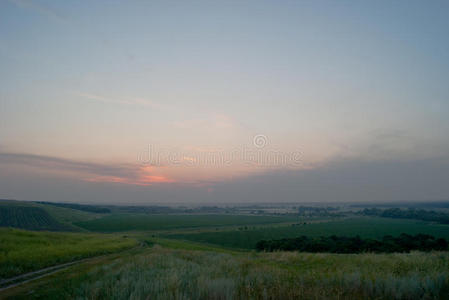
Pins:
x: 23, y: 251
x: 40, y: 216
x: 32, y: 218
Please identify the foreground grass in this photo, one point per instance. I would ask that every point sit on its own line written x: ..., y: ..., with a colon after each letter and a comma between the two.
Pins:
x: 366, y: 227
x: 24, y: 251
x: 164, y: 273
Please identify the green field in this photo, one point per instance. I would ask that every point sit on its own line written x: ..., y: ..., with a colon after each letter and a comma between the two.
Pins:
x: 165, y: 273
x: 365, y: 227
x: 207, y: 256
x: 36, y: 216
x: 142, y: 222
x: 24, y: 251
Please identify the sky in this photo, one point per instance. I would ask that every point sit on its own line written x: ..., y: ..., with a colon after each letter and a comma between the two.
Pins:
x: 143, y: 102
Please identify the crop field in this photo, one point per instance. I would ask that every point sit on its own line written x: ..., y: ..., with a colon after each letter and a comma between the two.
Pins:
x: 141, y: 222
x: 36, y: 216
x: 364, y: 227
x: 25, y: 217
x: 24, y: 251
x: 210, y: 256
x: 164, y: 273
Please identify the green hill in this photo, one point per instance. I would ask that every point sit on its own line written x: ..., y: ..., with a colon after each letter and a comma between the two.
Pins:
x: 37, y: 216
x: 33, y: 218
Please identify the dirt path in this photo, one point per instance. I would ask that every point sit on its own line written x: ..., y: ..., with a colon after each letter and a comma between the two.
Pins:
x: 27, y: 277
x: 30, y: 276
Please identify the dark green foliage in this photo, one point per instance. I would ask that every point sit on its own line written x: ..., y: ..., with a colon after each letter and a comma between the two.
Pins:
x: 341, y: 244
x: 83, y: 207
x: 313, y: 211
x: 411, y: 213
x: 32, y: 218
x: 366, y: 227
x: 153, y: 209
x: 157, y: 209
x: 426, y: 204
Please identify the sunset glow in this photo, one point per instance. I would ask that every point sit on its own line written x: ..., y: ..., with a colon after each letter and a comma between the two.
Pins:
x: 208, y: 102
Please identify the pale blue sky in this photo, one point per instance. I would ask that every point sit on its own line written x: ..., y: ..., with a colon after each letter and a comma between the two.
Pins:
x: 97, y: 81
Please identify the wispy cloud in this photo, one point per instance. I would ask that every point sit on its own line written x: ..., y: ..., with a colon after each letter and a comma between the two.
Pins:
x: 212, y: 120
x: 89, y: 171
x: 127, y: 101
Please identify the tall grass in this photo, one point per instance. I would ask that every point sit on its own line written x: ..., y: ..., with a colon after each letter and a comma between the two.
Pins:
x: 182, y: 274
x: 23, y: 251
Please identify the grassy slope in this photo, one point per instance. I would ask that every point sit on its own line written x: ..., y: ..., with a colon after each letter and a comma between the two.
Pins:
x: 68, y: 216
x: 24, y: 251
x: 365, y: 227
x: 166, y: 273
x: 32, y: 218
x: 132, y: 222
x: 48, y: 217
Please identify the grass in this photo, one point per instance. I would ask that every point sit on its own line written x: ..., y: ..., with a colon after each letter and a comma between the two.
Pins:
x: 365, y: 227
x: 213, y: 264
x: 36, y: 216
x: 189, y: 245
x: 163, y: 273
x: 24, y: 251
x: 33, y: 218
x: 68, y: 216
x: 142, y: 222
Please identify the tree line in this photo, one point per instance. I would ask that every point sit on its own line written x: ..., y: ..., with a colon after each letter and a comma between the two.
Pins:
x: 342, y: 244
x: 410, y: 213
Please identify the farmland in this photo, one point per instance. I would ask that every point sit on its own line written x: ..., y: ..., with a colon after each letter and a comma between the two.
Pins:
x: 364, y: 227
x: 142, y: 222
x: 36, y: 216
x: 213, y: 255
x: 24, y: 217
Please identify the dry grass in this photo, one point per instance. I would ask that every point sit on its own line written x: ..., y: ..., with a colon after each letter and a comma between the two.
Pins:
x: 182, y: 274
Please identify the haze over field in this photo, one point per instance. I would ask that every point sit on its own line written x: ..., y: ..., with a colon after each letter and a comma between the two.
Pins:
x: 240, y: 101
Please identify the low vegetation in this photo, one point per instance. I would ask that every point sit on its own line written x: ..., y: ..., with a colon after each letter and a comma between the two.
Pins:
x: 33, y: 218
x: 82, y: 207
x: 312, y: 211
x: 39, y: 216
x: 132, y: 222
x: 341, y: 244
x: 365, y: 227
x: 410, y: 213
x: 201, y: 255
x: 161, y: 273
x: 24, y: 251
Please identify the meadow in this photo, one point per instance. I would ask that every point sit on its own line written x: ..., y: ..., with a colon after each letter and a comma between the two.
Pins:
x: 211, y: 256
x: 165, y: 273
x: 367, y: 227
x: 145, y: 222
x: 24, y: 251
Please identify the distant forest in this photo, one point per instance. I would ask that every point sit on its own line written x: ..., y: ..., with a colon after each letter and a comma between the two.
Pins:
x: 410, y: 213
x: 340, y: 244
x: 82, y: 207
